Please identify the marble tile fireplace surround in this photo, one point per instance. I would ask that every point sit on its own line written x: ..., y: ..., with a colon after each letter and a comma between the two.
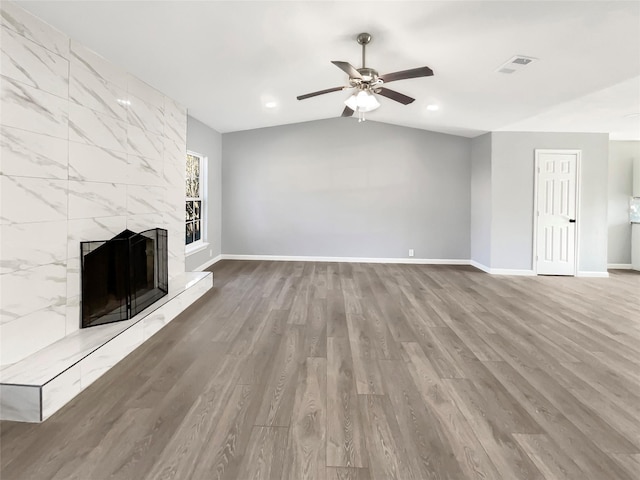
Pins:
x: 87, y: 151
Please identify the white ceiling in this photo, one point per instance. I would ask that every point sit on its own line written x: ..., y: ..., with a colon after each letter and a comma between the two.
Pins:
x: 225, y: 60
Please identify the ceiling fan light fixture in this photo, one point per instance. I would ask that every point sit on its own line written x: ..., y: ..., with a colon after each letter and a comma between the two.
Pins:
x: 363, y: 101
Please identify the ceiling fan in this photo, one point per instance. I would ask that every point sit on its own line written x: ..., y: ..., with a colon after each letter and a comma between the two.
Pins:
x: 367, y: 82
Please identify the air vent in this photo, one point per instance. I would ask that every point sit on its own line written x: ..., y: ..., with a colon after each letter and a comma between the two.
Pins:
x: 515, y: 63
x: 522, y: 61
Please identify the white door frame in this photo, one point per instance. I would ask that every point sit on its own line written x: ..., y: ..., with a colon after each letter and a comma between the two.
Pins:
x: 578, y: 153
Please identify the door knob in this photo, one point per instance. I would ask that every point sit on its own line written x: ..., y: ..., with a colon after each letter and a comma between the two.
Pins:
x: 572, y: 220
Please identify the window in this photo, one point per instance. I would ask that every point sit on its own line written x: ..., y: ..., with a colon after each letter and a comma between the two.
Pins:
x: 194, y: 200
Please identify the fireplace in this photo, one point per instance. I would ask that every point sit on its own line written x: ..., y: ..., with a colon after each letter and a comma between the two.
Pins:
x: 122, y: 276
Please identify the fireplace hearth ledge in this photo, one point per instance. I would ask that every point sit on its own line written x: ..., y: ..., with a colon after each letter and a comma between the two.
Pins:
x: 36, y: 387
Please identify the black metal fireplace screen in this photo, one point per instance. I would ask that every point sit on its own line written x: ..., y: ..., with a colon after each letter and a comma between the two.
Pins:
x: 122, y: 276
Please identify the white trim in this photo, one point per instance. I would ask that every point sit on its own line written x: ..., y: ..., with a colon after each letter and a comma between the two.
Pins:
x: 510, y: 271
x: 204, y: 200
x: 619, y: 266
x: 502, y: 271
x: 536, y: 173
x: 412, y: 261
x: 293, y: 258
x: 480, y: 266
x: 207, y: 264
x: 195, y: 247
x: 593, y: 274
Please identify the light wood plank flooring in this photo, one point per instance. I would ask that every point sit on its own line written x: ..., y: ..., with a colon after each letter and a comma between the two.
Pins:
x: 295, y: 371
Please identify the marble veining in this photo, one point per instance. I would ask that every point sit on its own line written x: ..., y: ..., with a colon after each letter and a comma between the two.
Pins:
x: 98, y: 65
x: 95, y: 199
x: 23, y: 246
x: 27, y: 291
x: 93, y: 128
x: 27, y: 199
x: 175, y: 216
x: 32, y: 109
x: 145, y: 171
x: 90, y: 90
x: 73, y: 315
x: 175, y: 151
x: 173, y: 175
x: 92, y: 229
x: 145, y: 199
x: 97, y: 164
x: 97, y: 364
x: 147, y: 93
x: 175, y: 248
x: 31, y: 27
x: 60, y: 390
x: 175, y: 121
x: 143, y: 143
x: 32, y: 64
x: 146, y: 116
x: 44, y: 365
x: 145, y: 221
x: 73, y: 278
x: 45, y: 325
x: 175, y: 198
x: 28, y: 154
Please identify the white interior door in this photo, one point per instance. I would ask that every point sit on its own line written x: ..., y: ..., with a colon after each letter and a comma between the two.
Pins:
x: 556, y: 210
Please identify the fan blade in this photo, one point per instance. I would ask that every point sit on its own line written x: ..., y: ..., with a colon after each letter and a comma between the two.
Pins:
x: 347, y: 112
x: 320, y: 92
x: 404, y: 74
x: 348, y: 69
x: 397, y: 96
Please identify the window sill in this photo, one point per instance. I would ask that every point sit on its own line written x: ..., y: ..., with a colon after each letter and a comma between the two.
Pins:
x: 195, y: 248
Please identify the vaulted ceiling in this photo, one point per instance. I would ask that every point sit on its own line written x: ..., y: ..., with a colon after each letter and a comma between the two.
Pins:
x: 224, y: 60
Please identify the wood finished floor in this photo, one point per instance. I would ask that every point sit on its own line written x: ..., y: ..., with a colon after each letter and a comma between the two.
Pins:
x: 360, y: 371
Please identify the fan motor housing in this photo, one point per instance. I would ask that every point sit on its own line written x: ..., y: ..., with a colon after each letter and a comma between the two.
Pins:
x: 369, y: 78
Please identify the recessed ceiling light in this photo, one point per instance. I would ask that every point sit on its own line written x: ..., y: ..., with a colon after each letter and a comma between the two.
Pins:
x: 433, y: 107
x: 271, y: 104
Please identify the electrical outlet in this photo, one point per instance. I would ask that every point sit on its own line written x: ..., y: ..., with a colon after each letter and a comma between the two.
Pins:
x: 210, y: 252
x: 411, y: 252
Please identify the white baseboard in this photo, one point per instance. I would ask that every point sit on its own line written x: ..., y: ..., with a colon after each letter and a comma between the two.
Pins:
x: 619, y: 266
x: 408, y: 261
x: 479, y: 266
x: 593, y: 274
x: 502, y: 271
x: 514, y: 271
x: 208, y: 263
x: 295, y: 258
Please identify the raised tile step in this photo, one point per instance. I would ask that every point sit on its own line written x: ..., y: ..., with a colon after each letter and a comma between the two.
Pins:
x: 34, y: 388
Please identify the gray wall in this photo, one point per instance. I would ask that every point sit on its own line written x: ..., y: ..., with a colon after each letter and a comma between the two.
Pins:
x: 621, y: 156
x: 343, y: 189
x: 481, y: 199
x: 512, y: 190
x: 206, y: 141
